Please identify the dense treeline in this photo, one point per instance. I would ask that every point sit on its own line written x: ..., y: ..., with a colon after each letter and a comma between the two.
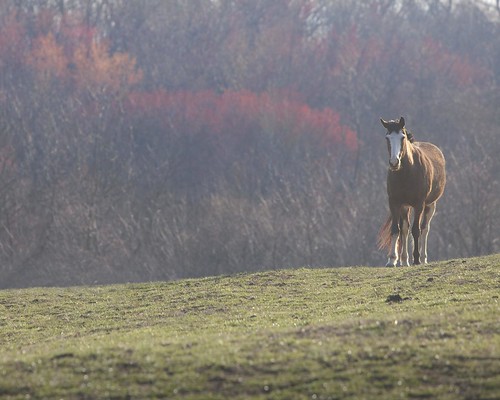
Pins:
x: 166, y: 139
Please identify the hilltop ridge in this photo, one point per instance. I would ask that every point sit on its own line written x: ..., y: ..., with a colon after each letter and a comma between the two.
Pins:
x: 419, y: 332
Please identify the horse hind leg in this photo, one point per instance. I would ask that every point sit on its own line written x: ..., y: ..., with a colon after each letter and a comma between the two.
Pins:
x: 428, y: 214
x: 404, y: 224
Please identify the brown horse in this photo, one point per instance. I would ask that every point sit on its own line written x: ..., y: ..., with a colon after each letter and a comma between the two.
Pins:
x: 415, y: 179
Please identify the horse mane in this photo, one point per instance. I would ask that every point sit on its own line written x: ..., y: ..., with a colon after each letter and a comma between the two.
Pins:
x: 410, y: 136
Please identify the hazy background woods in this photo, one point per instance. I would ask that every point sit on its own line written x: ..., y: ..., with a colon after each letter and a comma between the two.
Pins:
x: 163, y: 139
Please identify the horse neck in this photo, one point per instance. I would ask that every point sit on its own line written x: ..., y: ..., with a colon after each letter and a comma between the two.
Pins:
x: 409, y: 152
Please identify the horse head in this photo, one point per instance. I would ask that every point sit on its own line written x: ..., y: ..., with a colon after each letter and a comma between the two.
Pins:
x: 396, y: 137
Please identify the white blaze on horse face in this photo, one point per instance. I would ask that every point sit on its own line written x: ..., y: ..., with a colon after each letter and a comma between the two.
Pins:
x: 395, y: 139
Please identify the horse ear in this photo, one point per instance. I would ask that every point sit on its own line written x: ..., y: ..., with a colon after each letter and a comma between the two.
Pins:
x: 401, y: 122
x: 384, y: 123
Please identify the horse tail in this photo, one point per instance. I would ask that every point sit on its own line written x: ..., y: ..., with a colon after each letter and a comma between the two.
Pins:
x: 384, y: 235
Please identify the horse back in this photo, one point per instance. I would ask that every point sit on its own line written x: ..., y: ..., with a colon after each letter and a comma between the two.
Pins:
x: 434, y: 158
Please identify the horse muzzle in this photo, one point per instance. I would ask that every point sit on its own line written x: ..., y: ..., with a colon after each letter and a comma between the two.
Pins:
x: 394, y: 165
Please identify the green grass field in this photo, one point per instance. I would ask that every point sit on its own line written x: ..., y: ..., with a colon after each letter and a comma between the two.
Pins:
x: 426, y: 332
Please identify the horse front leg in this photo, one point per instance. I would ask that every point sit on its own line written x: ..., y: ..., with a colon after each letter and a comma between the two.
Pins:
x: 415, y: 231
x: 393, y: 254
x: 405, y: 230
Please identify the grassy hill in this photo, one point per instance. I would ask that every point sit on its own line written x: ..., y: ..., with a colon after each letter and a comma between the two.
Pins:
x: 417, y: 333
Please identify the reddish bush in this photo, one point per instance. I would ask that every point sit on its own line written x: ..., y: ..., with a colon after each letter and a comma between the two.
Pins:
x: 239, y: 113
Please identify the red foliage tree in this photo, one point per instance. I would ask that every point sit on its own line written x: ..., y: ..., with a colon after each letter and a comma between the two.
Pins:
x: 456, y: 68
